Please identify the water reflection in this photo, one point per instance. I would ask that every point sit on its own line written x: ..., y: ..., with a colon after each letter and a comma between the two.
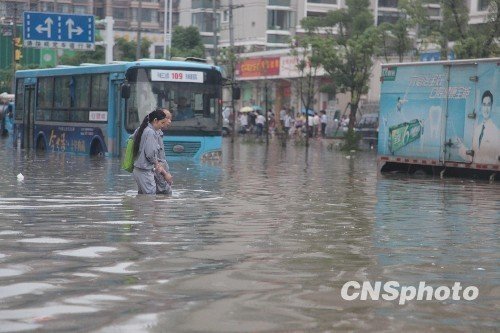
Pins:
x: 263, y: 241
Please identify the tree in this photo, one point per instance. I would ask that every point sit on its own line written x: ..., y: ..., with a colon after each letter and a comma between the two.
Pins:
x: 347, y: 51
x: 476, y: 41
x: 125, y: 49
x: 306, y: 49
x: 187, y: 42
x: 228, y: 59
x: 77, y: 57
x: 395, y: 38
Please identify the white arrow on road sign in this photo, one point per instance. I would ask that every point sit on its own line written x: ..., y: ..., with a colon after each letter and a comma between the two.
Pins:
x: 48, y: 28
x: 70, y: 23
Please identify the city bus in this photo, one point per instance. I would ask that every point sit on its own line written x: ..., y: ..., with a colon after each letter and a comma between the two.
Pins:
x: 93, y: 109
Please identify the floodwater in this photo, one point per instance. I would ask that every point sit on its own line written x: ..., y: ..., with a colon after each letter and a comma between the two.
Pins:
x: 262, y: 242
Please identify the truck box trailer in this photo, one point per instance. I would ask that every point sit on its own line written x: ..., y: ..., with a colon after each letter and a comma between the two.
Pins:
x: 440, y: 117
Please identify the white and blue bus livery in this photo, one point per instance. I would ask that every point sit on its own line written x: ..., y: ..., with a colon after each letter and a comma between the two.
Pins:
x: 93, y: 109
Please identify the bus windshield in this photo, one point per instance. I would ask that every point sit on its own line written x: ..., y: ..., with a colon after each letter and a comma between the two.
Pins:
x: 192, y: 97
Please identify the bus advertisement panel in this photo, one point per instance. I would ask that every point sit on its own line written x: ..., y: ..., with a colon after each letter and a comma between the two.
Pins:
x: 93, y: 109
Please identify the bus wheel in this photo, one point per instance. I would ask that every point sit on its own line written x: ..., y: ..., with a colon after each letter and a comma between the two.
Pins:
x: 96, y: 149
x: 40, y: 144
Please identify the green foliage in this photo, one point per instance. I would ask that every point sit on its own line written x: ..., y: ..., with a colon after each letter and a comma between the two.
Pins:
x: 395, y: 38
x: 76, y: 58
x: 477, y: 41
x: 5, y: 80
x: 125, y: 50
x: 228, y: 59
x: 351, y: 141
x: 187, y: 42
x: 347, y: 52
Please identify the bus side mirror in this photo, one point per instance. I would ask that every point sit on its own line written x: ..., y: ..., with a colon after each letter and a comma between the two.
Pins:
x: 236, y: 92
x: 125, y: 90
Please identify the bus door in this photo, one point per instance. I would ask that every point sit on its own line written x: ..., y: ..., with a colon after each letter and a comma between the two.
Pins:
x: 460, y: 106
x: 29, y: 116
x: 115, y: 118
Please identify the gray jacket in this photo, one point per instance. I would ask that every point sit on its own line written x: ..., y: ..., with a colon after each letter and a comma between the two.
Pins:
x: 149, y: 149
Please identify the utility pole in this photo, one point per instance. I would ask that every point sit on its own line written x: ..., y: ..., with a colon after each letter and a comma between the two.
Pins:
x: 14, y: 34
x: 232, y: 61
x: 139, y: 27
x: 214, y: 13
x: 231, y: 48
x: 165, y: 6
x: 167, y: 36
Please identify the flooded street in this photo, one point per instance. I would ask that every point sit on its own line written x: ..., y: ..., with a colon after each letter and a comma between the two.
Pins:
x: 262, y: 242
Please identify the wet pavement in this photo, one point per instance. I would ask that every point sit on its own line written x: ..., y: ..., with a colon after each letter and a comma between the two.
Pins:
x: 261, y: 242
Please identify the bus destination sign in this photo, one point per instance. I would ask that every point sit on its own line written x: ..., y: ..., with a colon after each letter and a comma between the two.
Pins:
x: 176, y: 76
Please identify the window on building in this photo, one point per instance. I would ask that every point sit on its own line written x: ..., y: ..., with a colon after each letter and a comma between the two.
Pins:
x: 203, y: 4
x: 208, y: 40
x: 120, y: 13
x: 388, y: 3
x: 388, y: 17
x: 285, y: 3
x: 80, y: 9
x: 47, y: 7
x: 433, y: 11
x: 281, y: 39
x: 482, y: 5
x: 204, y: 21
x: 278, y: 19
x: 99, y: 12
x: 64, y: 8
x: 316, y: 14
x: 148, y: 15
x: 225, y: 16
x: 326, y: 2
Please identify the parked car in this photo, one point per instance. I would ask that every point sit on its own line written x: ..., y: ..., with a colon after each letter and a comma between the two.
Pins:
x: 367, y: 126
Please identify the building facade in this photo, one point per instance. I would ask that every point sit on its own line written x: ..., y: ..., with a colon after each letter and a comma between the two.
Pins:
x: 261, y: 32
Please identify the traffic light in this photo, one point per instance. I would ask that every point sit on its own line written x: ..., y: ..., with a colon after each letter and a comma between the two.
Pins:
x: 17, y: 42
x: 18, y: 55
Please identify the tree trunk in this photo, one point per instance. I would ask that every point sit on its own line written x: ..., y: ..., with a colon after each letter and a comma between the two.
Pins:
x: 352, y: 115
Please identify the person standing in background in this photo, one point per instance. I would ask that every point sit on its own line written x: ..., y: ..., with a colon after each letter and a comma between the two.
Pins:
x: 323, y: 123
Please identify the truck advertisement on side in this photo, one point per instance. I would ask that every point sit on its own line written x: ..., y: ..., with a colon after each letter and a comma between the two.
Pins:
x: 442, y: 114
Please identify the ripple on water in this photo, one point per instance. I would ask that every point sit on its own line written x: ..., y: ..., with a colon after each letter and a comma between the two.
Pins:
x: 44, y: 240
x: 119, y: 222
x: 13, y: 270
x: 87, y: 252
x: 120, y: 268
x: 23, y: 288
x: 94, y: 299
x: 10, y: 232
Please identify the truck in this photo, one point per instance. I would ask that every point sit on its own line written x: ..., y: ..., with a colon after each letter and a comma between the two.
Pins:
x: 440, y: 117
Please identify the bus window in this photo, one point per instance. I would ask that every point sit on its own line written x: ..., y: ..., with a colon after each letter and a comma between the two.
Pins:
x: 62, y: 92
x: 82, y: 86
x: 99, y: 100
x: 45, y: 92
x: 19, y: 99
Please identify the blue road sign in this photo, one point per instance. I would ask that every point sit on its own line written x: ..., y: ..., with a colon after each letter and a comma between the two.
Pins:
x: 57, y: 30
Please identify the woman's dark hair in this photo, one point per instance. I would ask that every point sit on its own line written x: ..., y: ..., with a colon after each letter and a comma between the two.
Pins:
x: 157, y: 114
